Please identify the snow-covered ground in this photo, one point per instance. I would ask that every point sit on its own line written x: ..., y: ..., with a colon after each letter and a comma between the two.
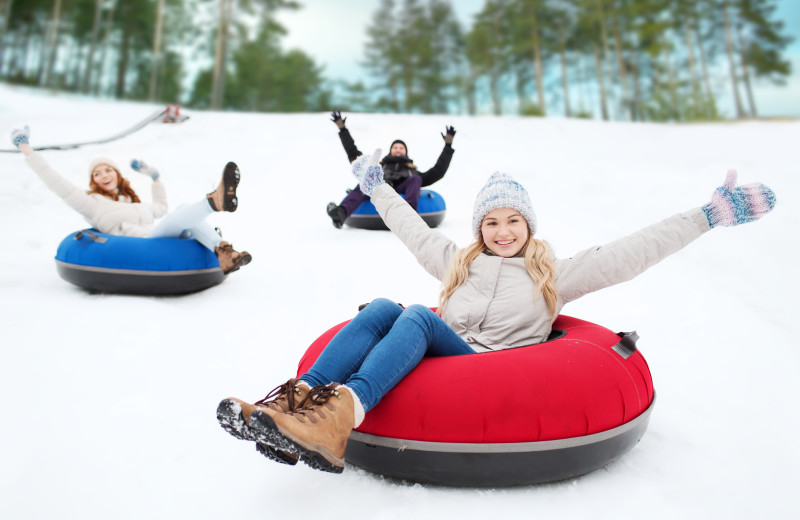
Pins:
x: 110, y: 400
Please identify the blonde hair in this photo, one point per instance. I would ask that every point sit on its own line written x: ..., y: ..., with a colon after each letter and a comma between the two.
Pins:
x: 538, y: 261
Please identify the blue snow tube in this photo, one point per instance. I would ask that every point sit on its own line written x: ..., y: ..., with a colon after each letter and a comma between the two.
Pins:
x: 131, y: 265
x: 431, y: 208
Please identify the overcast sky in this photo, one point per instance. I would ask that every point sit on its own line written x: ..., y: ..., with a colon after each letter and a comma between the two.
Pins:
x: 334, y: 34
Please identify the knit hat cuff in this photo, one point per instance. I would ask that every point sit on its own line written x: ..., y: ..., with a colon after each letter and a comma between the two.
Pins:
x: 398, y: 141
x: 502, y: 191
x: 97, y: 161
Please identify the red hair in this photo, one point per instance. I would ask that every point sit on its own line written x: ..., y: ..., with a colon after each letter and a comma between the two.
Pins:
x: 123, y: 187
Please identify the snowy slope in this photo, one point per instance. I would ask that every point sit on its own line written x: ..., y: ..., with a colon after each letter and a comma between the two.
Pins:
x: 110, y: 400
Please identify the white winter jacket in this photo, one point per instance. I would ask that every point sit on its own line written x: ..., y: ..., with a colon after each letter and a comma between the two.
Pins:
x: 496, y: 308
x: 102, y: 213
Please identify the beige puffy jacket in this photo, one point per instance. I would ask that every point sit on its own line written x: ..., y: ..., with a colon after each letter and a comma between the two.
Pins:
x: 102, y: 213
x: 496, y: 308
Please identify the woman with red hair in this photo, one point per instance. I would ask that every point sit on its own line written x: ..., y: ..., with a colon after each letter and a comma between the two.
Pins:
x: 112, y: 206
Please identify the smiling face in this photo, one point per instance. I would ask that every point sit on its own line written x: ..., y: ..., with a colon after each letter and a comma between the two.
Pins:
x: 504, y: 232
x: 398, y: 149
x: 106, y: 177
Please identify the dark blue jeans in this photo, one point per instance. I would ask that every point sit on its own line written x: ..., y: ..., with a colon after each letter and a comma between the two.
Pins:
x: 382, y: 344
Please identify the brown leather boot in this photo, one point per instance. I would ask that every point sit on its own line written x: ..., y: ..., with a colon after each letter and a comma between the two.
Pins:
x: 229, y: 259
x: 224, y: 197
x: 317, y: 431
x: 234, y: 415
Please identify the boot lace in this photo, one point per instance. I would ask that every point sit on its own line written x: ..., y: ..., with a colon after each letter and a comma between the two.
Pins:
x: 287, y: 391
x: 312, y: 404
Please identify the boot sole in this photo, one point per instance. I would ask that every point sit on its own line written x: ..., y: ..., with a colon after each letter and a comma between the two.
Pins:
x: 282, y: 457
x: 230, y: 181
x: 332, y: 206
x: 245, y: 259
x: 316, y: 457
x: 229, y: 416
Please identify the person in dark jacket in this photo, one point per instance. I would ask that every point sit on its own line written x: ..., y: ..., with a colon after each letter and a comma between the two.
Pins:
x: 399, y: 171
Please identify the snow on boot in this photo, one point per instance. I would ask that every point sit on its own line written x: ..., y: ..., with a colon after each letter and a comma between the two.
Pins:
x: 224, y: 197
x: 229, y: 259
x: 234, y: 415
x: 317, y: 431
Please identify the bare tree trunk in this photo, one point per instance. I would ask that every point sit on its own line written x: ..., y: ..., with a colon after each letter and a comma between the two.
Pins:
x: 87, y: 75
x: 156, y: 51
x: 122, y: 64
x: 52, y: 47
x: 704, y: 66
x: 601, y: 84
x: 495, y: 71
x: 604, y: 37
x: 623, y: 71
x: 564, y: 77
x: 636, y: 114
x: 395, y: 94
x: 537, y: 58
x: 106, y: 41
x: 519, y: 83
x: 15, y: 48
x: 494, y: 93
x: 732, y: 65
x: 5, y: 10
x: 408, y: 84
x: 73, y: 82
x: 469, y: 88
x: 748, y: 88
x: 22, y: 59
x: 676, y: 108
x: 692, y: 65
x: 218, y: 81
x: 537, y: 61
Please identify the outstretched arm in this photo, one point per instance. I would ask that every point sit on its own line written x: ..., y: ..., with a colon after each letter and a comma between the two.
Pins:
x: 432, y: 249
x: 599, y: 267
x: 76, y: 198
x: 443, y: 163
x: 344, y: 135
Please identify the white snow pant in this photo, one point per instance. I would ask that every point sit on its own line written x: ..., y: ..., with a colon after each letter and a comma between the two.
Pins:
x: 189, y: 221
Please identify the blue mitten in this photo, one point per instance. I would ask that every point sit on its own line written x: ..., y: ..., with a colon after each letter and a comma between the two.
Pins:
x: 731, y: 205
x: 369, y: 172
x: 144, y: 168
x: 21, y: 136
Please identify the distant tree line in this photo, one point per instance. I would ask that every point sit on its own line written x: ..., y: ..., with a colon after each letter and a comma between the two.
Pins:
x: 228, y: 50
x: 639, y: 60
x: 619, y: 59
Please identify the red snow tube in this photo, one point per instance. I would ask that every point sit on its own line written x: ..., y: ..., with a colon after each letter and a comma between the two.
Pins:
x: 519, y: 416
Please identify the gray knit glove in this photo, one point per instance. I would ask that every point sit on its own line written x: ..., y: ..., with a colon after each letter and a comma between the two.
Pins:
x: 145, y: 169
x: 369, y: 172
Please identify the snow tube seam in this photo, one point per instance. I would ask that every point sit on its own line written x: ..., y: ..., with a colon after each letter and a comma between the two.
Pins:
x: 97, y: 269
x: 501, y: 447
